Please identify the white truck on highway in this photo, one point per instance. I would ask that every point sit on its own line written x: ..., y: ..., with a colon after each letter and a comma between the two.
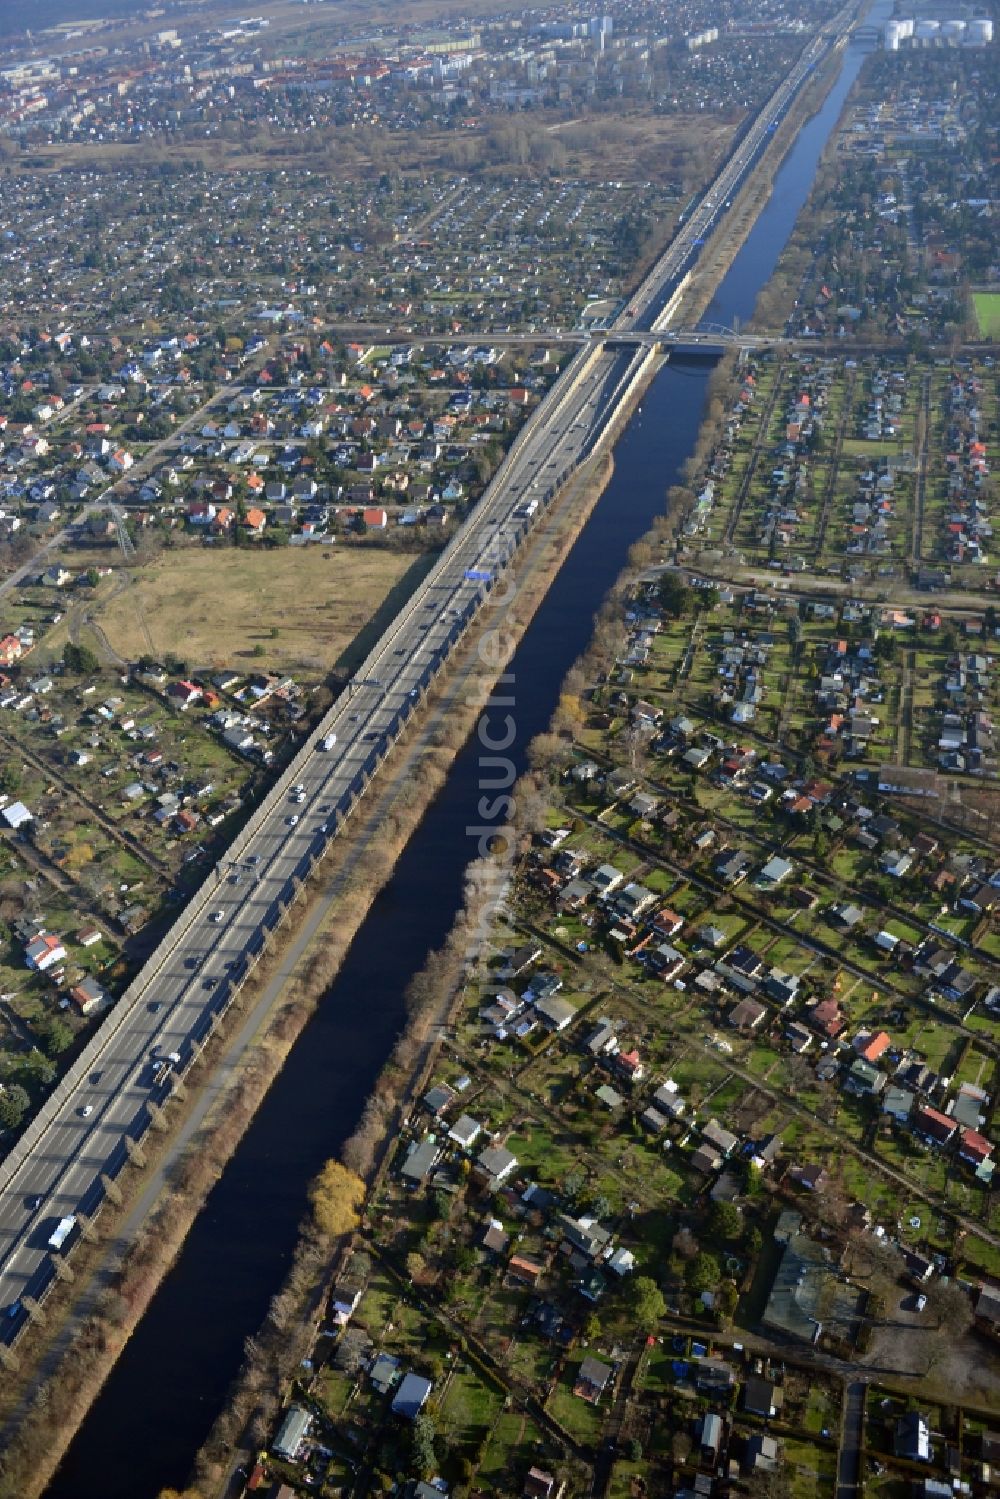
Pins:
x: 328, y: 741
x: 61, y: 1233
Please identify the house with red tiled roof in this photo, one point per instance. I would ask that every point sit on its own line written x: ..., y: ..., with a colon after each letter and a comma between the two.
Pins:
x: 629, y: 1064
x: 933, y: 1126
x: 44, y: 951
x: 974, y: 1148
x: 826, y: 1018
x: 872, y: 1047
x: 667, y: 922
x: 255, y: 521
x: 200, y: 513
x: 87, y: 994
x: 11, y: 650
x: 523, y: 1269
x: 183, y: 694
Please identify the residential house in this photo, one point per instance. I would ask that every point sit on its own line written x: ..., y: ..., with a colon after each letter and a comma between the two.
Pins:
x: 439, y: 1098
x: 933, y: 1127
x: 44, y: 952
x: 495, y: 1164
x: 464, y: 1131
x: 747, y: 1015
x: 732, y: 868
x: 912, y: 1437
x: 711, y: 1439
x: 742, y: 967
x: 87, y: 995
x: 713, y: 1376
x: 420, y: 1162
x: 555, y: 1013
x: 720, y: 1139
x: 411, y: 1396
x: 592, y: 1379
x: 292, y: 1434
x: 976, y: 1151
x: 864, y: 1080
x: 774, y: 873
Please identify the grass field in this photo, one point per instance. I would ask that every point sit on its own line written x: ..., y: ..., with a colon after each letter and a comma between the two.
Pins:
x: 987, y: 305
x: 215, y: 607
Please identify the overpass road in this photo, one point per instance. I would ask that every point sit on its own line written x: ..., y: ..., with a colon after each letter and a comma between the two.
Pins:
x: 175, y: 1000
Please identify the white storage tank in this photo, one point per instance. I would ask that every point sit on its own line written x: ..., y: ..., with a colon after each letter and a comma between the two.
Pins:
x: 892, y: 36
x: 927, y: 31
x: 979, y: 31
x: 952, y: 31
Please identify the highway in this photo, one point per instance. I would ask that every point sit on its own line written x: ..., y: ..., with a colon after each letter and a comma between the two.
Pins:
x: 653, y: 305
x: 176, y: 999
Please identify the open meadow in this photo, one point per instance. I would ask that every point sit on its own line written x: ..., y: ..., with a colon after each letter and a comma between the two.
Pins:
x: 295, y: 610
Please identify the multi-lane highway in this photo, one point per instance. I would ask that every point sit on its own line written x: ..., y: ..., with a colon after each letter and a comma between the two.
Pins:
x: 654, y: 303
x: 175, y: 1000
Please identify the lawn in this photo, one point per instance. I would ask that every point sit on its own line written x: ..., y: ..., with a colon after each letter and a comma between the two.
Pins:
x: 301, y: 607
x: 511, y: 1448
x: 811, y: 1470
x: 468, y: 1408
x: 580, y: 1418
x: 987, y: 305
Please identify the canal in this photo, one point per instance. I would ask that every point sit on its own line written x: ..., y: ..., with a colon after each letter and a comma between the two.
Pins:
x: 166, y: 1389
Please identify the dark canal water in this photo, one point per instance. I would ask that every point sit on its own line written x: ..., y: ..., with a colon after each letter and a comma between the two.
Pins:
x: 755, y: 263
x: 166, y: 1389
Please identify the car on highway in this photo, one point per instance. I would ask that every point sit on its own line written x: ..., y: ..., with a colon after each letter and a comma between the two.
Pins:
x: 235, y: 877
x: 86, y: 1111
x: 14, y: 1310
x: 323, y: 827
x: 253, y: 858
x: 34, y: 1203
x: 217, y: 916
x: 209, y: 983
x: 293, y: 821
